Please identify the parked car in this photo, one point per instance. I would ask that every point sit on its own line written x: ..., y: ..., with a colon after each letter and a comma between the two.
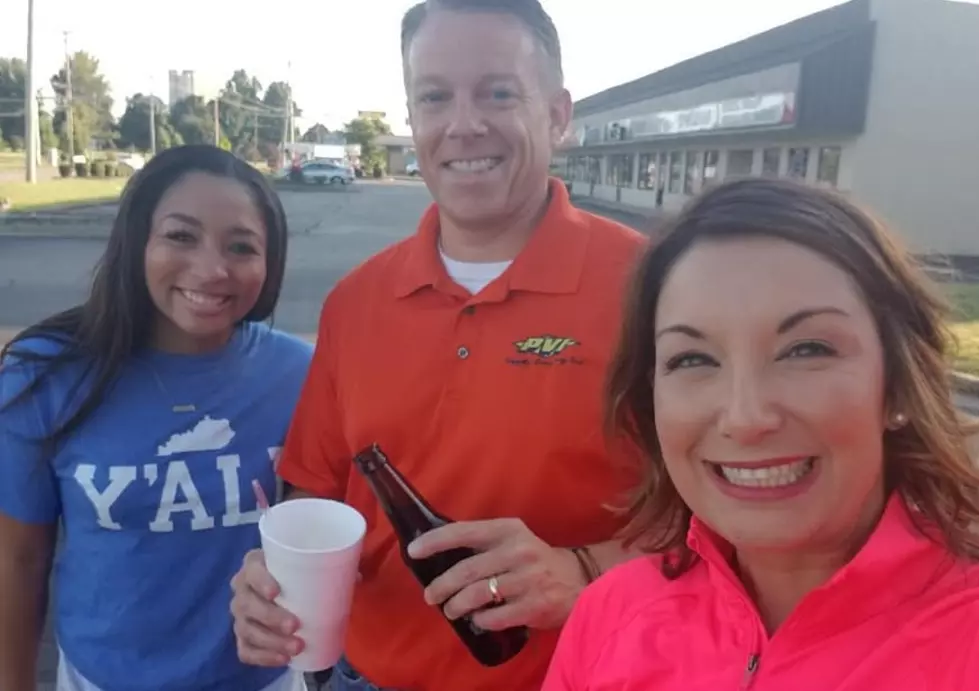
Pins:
x: 412, y: 169
x: 322, y: 172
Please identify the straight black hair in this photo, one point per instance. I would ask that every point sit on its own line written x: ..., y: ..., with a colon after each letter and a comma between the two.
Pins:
x: 116, y: 319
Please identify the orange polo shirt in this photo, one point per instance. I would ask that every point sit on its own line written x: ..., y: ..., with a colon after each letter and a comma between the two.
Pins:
x: 489, y: 404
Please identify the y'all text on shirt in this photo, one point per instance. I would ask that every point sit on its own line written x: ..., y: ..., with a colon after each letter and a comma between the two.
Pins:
x: 178, y: 493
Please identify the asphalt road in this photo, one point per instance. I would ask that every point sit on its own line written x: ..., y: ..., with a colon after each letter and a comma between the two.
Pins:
x: 330, y: 232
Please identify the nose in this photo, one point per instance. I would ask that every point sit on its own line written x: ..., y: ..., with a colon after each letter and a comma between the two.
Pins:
x: 210, y: 263
x: 466, y: 119
x: 749, y: 414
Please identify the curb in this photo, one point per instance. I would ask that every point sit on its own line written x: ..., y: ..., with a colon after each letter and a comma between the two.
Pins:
x: 964, y: 383
x: 56, y: 210
x: 57, y: 231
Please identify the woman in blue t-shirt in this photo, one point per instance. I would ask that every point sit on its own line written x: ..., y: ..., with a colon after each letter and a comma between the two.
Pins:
x: 139, y: 421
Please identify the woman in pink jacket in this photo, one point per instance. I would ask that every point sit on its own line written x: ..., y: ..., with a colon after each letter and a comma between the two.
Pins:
x: 810, y: 507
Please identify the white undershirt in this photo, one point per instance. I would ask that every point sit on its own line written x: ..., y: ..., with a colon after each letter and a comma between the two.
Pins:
x: 473, y: 276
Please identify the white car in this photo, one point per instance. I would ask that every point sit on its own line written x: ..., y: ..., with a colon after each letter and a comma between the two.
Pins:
x: 327, y: 172
x: 412, y: 169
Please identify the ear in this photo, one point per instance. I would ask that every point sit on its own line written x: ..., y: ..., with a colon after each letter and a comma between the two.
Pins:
x: 561, y: 111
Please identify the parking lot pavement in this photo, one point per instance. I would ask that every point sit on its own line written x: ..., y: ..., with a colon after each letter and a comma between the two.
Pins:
x: 330, y: 233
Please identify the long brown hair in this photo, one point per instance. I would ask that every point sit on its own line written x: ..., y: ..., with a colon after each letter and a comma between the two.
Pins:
x: 927, y: 460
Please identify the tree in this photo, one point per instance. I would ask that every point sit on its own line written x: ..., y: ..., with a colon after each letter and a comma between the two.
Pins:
x: 193, y: 120
x: 275, y: 98
x: 91, y: 103
x: 13, y: 82
x: 133, y: 130
x: 45, y: 123
x: 317, y: 134
x: 241, y: 105
x: 364, y: 131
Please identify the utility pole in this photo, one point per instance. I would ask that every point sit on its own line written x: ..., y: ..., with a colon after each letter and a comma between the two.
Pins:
x: 69, y: 107
x: 287, y: 116
x: 217, y: 124
x: 152, y: 120
x: 30, y: 101
x: 152, y: 126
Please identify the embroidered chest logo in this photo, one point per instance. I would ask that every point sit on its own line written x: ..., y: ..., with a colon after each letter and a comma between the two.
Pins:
x: 545, y: 350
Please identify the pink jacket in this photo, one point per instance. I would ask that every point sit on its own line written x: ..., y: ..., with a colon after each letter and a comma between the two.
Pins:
x: 901, y: 616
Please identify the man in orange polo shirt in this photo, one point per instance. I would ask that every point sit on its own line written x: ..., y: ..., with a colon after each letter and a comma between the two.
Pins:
x: 474, y: 353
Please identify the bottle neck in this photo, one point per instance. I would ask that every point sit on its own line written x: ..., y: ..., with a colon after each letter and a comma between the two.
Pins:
x: 408, y: 511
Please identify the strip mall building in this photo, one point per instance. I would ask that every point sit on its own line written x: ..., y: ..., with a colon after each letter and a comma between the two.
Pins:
x: 879, y: 98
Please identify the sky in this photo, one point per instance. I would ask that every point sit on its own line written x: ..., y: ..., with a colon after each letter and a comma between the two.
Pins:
x: 344, y: 54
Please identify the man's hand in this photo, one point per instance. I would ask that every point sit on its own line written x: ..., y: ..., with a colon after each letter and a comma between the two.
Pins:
x: 263, y: 630
x: 537, y: 583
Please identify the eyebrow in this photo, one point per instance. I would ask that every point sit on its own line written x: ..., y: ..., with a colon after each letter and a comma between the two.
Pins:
x: 499, y: 77
x: 428, y: 80
x: 190, y: 220
x: 435, y: 80
x: 786, y: 325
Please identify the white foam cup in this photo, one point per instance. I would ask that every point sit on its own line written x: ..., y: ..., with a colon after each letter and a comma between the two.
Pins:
x: 312, y: 548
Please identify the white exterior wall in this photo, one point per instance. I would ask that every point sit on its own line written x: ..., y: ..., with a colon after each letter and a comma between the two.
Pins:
x: 917, y: 165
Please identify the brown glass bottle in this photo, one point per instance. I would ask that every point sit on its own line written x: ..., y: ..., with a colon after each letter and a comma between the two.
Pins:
x: 411, y: 516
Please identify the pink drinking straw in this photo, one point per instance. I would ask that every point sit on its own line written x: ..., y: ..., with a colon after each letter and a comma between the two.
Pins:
x: 263, y: 501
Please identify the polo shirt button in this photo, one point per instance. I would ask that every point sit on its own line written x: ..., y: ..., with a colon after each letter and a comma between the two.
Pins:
x: 469, y: 309
x: 463, y: 352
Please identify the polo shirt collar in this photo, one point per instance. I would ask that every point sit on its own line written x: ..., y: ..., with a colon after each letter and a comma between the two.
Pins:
x: 551, y: 262
x: 896, y: 562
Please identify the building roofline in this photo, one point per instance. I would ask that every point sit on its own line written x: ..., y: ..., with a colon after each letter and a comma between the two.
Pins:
x: 786, y: 43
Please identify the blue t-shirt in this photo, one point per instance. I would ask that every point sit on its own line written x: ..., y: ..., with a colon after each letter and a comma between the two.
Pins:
x: 157, y: 506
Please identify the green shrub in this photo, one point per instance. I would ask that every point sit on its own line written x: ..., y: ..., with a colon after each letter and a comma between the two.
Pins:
x: 64, y: 170
x: 81, y: 170
x: 98, y: 169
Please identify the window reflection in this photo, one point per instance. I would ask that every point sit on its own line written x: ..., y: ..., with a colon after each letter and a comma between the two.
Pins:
x: 829, y: 165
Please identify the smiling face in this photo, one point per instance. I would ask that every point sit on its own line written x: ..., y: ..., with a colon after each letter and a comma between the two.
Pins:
x: 769, y: 395
x: 205, y: 261
x: 485, y: 118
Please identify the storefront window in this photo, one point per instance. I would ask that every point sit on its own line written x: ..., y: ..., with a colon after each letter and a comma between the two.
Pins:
x: 693, y: 173
x: 619, y: 171
x: 676, y: 171
x: 740, y: 162
x: 648, y: 171
x: 829, y: 165
x: 771, y: 159
x: 798, y: 163
x: 594, y: 170
x: 711, y: 159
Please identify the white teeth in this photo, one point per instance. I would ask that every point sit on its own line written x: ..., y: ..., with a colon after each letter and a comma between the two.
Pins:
x: 478, y: 165
x: 776, y: 476
x: 202, y: 299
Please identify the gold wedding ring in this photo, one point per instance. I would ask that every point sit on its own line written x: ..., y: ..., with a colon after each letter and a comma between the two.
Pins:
x: 494, y: 588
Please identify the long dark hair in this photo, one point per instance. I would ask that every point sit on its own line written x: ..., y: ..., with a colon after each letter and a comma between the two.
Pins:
x: 927, y: 460
x: 116, y: 319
